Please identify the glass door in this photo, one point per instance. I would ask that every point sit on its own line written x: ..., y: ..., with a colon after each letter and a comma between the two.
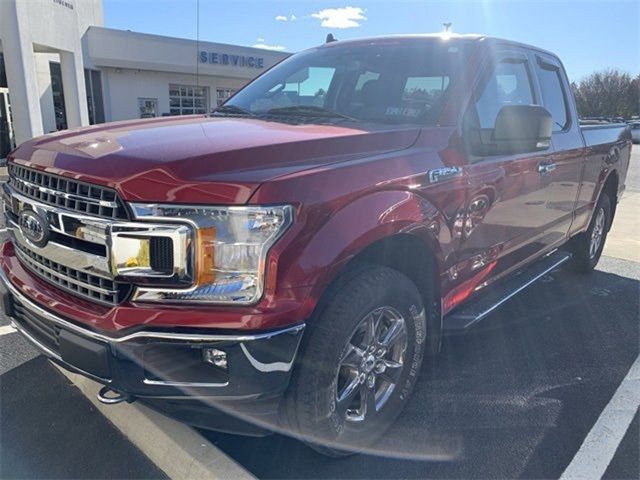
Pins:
x: 7, y: 141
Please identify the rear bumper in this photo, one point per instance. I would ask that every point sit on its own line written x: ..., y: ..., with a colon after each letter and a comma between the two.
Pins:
x: 165, y: 367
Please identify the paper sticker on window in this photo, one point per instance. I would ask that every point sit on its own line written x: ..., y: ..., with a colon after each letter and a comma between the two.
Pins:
x: 403, y: 112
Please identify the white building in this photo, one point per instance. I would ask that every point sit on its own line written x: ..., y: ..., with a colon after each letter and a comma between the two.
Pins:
x: 60, y: 68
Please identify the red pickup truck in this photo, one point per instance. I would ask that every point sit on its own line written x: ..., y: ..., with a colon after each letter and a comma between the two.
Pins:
x: 291, y: 260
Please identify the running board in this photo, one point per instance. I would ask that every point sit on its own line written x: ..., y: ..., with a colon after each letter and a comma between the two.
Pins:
x: 467, y: 315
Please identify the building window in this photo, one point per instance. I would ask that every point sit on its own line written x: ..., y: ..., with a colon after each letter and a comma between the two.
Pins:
x: 3, y: 73
x: 147, y: 107
x: 187, y: 99
x: 223, y: 94
x: 95, y: 105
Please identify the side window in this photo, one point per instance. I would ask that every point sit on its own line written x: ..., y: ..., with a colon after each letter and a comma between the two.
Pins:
x: 509, y: 84
x: 553, y: 95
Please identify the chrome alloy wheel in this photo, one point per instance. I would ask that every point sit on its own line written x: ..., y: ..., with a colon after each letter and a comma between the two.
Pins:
x: 597, y: 233
x: 371, y: 364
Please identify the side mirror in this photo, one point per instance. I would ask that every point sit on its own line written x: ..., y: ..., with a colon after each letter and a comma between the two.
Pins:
x: 518, y: 129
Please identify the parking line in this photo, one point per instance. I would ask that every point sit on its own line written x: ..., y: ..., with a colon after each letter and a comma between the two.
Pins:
x: 176, y: 449
x: 600, y: 445
x: 6, y: 329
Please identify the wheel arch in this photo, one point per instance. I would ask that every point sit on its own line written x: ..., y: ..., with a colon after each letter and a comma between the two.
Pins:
x: 610, y: 187
x: 393, y: 228
x: 407, y: 254
x: 411, y: 256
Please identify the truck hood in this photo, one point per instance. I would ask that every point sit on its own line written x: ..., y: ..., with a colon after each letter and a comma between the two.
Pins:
x: 202, y: 159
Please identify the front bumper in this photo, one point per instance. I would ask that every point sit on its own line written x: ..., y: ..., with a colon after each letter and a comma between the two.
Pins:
x: 165, y: 367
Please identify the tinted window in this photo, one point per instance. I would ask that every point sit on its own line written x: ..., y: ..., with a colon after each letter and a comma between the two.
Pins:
x: 307, y: 87
x: 424, y: 89
x: 385, y: 83
x: 553, y: 95
x: 508, y: 84
x: 365, y: 78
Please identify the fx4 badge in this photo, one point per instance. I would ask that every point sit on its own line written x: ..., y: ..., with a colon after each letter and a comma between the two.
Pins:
x: 441, y: 174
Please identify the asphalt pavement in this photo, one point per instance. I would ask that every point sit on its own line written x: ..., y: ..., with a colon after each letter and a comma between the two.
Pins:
x: 50, y: 430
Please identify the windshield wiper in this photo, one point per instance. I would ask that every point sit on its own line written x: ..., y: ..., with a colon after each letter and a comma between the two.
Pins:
x: 309, y: 111
x: 232, y: 110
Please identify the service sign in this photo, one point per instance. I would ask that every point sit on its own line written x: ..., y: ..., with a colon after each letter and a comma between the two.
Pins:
x: 246, y: 61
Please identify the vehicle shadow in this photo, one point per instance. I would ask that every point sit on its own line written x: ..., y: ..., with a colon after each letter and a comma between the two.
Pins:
x: 512, y: 397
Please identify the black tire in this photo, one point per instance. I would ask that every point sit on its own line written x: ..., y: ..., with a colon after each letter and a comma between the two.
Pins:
x: 585, y: 253
x: 313, y: 409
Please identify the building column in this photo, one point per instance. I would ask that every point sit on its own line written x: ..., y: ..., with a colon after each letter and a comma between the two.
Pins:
x: 20, y: 64
x: 75, y: 94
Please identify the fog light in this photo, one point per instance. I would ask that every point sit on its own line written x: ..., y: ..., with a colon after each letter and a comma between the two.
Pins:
x: 215, y: 357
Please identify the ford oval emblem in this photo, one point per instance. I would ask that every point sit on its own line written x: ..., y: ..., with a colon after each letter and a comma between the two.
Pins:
x: 33, y: 228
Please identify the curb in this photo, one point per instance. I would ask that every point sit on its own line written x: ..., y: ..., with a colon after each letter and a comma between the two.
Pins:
x: 178, y: 450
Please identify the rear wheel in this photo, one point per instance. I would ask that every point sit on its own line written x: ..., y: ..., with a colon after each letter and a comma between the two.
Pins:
x: 359, y: 362
x: 587, y: 247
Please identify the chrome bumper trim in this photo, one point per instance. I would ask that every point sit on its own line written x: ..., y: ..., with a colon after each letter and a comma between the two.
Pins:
x: 164, y: 383
x: 187, y: 337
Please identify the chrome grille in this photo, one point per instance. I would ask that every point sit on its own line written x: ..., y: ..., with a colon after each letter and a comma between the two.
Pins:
x: 67, y: 193
x: 83, y: 284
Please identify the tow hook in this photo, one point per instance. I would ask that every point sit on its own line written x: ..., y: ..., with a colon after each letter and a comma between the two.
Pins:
x: 108, y: 396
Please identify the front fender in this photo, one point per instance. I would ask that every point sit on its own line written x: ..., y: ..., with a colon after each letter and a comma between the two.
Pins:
x: 335, y: 239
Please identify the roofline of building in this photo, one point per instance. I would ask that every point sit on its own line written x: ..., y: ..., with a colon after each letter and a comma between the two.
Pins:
x: 165, y: 38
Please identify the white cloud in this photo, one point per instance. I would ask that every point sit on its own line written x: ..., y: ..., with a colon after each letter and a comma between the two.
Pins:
x: 284, y: 18
x: 260, y: 40
x: 345, y: 17
x: 264, y: 46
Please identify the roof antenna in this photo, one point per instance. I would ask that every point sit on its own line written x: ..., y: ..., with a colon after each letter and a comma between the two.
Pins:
x: 331, y: 38
x: 446, y: 34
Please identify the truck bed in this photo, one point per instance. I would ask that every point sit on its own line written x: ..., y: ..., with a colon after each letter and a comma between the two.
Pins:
x: 607, y: 133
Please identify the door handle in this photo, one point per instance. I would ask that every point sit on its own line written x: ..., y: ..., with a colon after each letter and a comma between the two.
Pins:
x: 545, y: 168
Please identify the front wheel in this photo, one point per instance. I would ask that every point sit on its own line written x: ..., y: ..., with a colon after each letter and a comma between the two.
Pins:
x: 359, y: 362
x: 587, y: 247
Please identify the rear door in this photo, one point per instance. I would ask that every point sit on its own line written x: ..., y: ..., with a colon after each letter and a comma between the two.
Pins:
x: 561, y: 169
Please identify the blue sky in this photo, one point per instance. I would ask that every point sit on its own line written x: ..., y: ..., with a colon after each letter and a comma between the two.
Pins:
x: 588, y: 35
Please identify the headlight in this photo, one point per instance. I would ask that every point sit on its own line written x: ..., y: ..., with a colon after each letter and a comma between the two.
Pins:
x: 230, y: 246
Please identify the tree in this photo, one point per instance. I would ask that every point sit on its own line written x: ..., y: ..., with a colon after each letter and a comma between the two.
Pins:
x: 608, y: 93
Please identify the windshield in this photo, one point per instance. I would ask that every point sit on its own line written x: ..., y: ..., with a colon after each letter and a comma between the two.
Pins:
x: 395, y: 84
